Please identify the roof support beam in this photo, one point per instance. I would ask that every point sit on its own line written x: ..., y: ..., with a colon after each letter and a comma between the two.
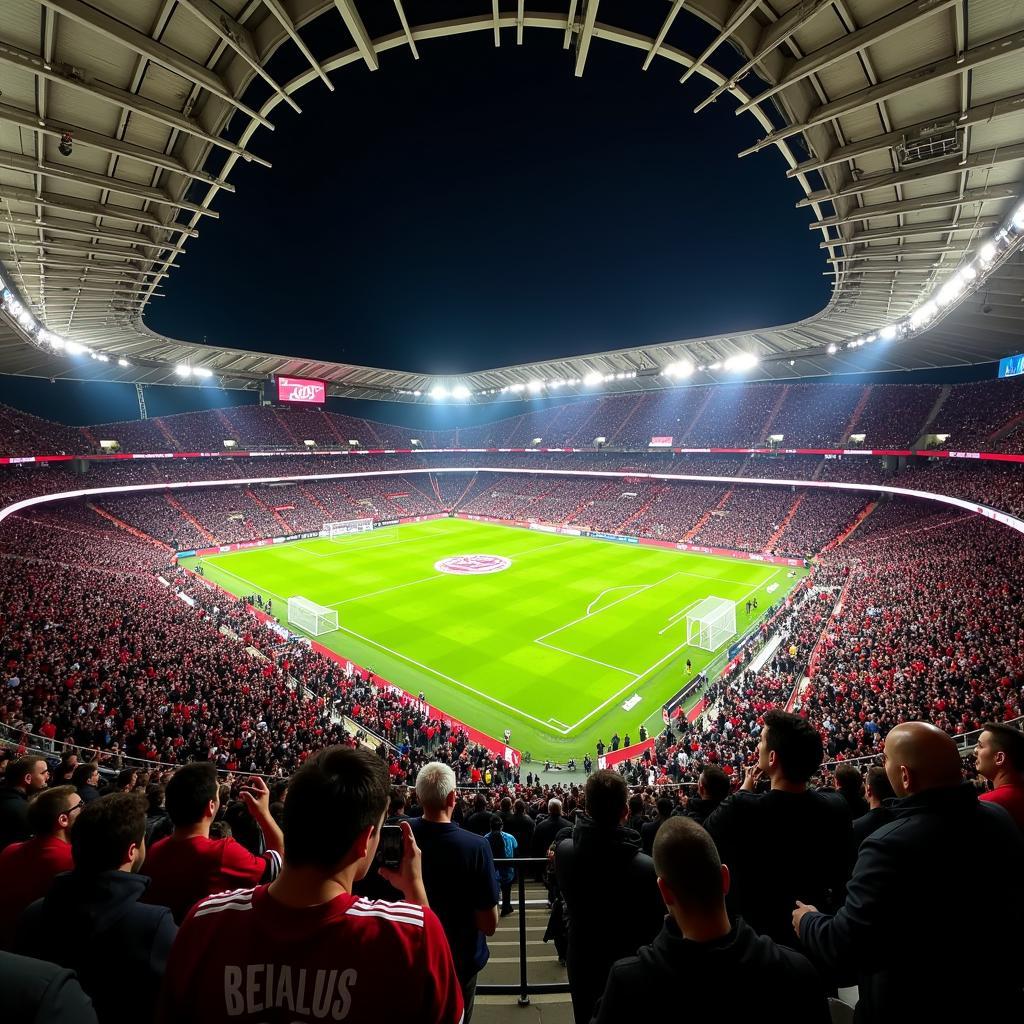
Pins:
x: 354, y: 23
x: 941, y: 201
x: 405, y: 28
x: 56, y: 201
x: 85, y: 229
x: 916, y: 132
x: 496, y: 18
x: 670, y: 18
x: 738, y: 17
x: 81, y: 80
x: 28, y: 165
x: 849, y: 44
x: 909, y: 230
x: 936, y: 71
x: 519, y: 23
x: 239, y: 38
x: 19, y: 244
x: 288, y: 25
x: 149, y: 48
x: 774, y: 34
x: 67, y: 263
x: 934, y: 169
x: 85, y: 137
x: 570, y: 24
x: 586, y: 34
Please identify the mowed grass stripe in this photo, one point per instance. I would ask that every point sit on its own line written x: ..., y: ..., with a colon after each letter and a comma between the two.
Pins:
x: 472, y: 638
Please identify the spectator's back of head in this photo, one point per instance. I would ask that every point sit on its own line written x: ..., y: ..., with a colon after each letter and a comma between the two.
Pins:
x: 519, y: 807
x: 192, y: 794
x: 878, y: 786
x: 337, y: 797
x: 109, y: 834
x: 49, y: 811
x: 155, y: 792
x: 479, y: 803
x: 713, y: 784
x: 790, y: 747
x: 435, y: 787
x: 665, y: 807
x: 555, y: 807
x: 849, y: 781
x: 397, y: 803
x: 919, y: 756
x: 606, y: 797
x: 688, y: 866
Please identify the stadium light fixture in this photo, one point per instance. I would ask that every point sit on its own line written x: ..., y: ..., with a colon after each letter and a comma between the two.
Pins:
x: 592, y: 379
x: 123, y: 362
x: 715, y: 366
x: 744, y: 361
x: 1018, y: 218
x: 183, y: 370
x: 888, y: 332
x: 535, y: 387
x: 73, y: 348
x: 437, y: 392
x: 461, y: 392
x: 987, y: 253
x: 103, y: 357
x: 204, y: 372
x: 832, y: 349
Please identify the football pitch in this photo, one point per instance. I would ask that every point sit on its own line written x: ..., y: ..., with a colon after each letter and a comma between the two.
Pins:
x: 549, y: 641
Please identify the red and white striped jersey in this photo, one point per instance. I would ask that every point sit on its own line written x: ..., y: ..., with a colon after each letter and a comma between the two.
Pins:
x: 242, y: 956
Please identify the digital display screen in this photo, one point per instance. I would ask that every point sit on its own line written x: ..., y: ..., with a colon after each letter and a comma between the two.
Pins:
x: 1011, y: 366
x: 301, y: 389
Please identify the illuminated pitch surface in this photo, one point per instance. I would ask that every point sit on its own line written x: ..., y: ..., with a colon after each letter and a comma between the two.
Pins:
x: 549, y: 647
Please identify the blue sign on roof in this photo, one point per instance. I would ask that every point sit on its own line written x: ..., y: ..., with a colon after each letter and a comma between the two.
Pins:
x: 1011, y: 366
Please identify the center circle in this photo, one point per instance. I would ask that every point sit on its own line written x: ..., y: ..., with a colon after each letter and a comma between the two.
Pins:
x: 473, y: 565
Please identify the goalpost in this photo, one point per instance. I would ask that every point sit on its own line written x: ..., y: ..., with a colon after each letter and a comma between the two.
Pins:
x: 711, y: 623
x: 343, y: 527
x: 310, y: 617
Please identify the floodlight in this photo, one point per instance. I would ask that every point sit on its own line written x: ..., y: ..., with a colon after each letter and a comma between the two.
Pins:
x: 535, y: 387
x: 593, y: 378
x: 122, y: 362
x: 968, y: 273
x: 438, y: 392
x: 461, y: 392
x: 202, y: 371
x: 888, y: 332
x: 1018, y: 218
x: 715, y: 366
x: 103, y: 358
x: 832, y: 350
x: 741, y: 362
x: 987, y: 253
x: 73, y: 348
x: 417, y: 393
x: 182, y: 370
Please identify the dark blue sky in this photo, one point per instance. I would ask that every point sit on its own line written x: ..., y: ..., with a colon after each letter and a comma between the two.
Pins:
x: 483, y: 206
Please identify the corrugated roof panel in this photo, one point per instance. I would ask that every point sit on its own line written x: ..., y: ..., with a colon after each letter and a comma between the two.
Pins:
x: 189, y: 36
x: 942, y: 97
x: 999, y: 78
x: 992, y: 19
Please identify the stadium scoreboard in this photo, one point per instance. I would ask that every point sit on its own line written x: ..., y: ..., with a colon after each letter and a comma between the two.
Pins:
x: 1011, y: 366
x: 300, y: 391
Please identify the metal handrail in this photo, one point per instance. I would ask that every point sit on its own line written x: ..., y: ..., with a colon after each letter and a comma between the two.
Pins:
x: 524, y: 989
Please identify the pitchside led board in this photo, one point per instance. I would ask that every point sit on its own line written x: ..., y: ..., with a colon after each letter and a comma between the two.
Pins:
x: 1011, y: 366
x: 301, y: 391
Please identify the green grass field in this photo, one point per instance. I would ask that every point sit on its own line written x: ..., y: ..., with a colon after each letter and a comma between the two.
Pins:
x: 550, y: 647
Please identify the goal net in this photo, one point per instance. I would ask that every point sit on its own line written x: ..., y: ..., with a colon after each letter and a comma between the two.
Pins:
x: 310, y: 617
x: 711, y: 623
x: 343, y: 527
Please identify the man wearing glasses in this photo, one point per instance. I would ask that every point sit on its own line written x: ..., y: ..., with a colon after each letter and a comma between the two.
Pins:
x: 28, y: 868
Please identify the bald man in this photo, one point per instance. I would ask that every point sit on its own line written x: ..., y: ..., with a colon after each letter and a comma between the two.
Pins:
x: 945, y: 860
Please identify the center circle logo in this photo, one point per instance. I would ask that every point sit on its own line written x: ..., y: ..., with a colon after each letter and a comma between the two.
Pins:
x: 473, y: 565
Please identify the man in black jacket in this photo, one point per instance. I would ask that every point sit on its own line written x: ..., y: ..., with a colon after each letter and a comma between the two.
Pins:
x: 23, y: 778
x: 700, y: 949
x: 785, y: 844
x: 609, y: 887
x: 117, y: 946
x: 877, y: 790
x: 945, y: 851
x: 521, y: 826
x: 712, y: 788
x: 480, y: 820
x: 649, y: 830
x: 547, y: 828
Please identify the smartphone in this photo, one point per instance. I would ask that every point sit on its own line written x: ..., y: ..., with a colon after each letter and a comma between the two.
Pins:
x: 389, y: 850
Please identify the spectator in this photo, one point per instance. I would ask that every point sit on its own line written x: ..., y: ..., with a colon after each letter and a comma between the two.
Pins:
x: 188, y: 864
x: 36, y: 992
x: 850, y: 787
x: 27, y: 869
x: 61, y: 775
x: 305, y: 945
x: 650, y: 828
x: 503, y: 846
x: 878, y: 791
x: 637, y: 816
x: 548, y: 827
x: 698, y: 947
x: 86, y: 779
x: 158, y: 821
x: 609, y: 888
x: 999, y: 756
x: 522, y: 827
x: 788, y: 842
x: 396, y: 807
x: 480, y: 820
x: 117, y: 946
x: 23, y: 778
x: 712, y: 788
x: 943, y: 849
x: 458, y: 872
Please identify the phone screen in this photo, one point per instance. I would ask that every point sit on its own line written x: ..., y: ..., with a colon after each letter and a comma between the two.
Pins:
x: 389, y: 850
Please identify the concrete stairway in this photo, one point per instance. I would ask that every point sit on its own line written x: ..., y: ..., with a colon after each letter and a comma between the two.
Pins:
x: 503, y: 967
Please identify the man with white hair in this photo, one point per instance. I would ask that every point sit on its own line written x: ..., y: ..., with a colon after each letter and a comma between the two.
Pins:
x: 458, y: 874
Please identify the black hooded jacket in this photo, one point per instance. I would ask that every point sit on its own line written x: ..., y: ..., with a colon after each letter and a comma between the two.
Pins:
x: 781, y: 981
x: 611, y: 894
x: 116, y: 945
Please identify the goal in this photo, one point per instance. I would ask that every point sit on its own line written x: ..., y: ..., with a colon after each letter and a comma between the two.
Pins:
x: 345, y: 526
x: 310, y: 617
x: 711, y: 623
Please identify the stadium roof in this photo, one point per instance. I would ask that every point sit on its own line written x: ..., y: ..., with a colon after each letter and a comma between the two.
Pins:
x: 902, y: 121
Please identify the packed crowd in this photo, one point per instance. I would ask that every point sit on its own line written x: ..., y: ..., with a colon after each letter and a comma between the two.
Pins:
x: 985, y: 415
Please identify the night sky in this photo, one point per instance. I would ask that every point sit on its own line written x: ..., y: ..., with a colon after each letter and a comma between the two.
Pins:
x: 482, y: 207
